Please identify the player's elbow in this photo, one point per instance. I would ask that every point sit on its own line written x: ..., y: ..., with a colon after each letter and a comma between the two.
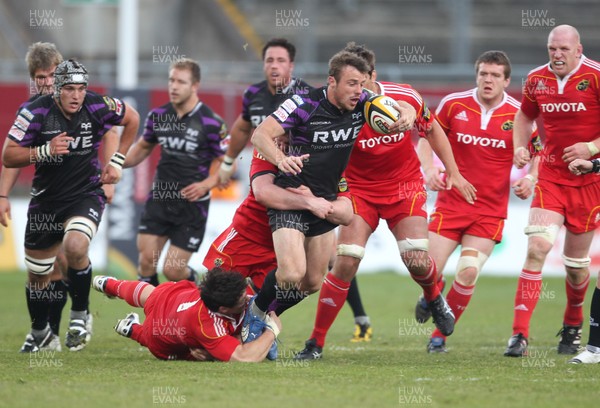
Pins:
x: 343, y: 213
x: 256, y: 138
x: 262, y: 197
x: 263, y: 190
x: 10, y: 162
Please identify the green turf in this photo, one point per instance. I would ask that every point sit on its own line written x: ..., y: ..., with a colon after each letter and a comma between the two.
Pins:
x: 393, y: 370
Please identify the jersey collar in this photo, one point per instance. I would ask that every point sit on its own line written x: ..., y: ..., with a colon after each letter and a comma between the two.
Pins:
x: 486, y: 115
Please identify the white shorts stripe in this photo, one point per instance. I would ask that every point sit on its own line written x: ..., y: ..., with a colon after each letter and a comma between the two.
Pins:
x: 229, y: 237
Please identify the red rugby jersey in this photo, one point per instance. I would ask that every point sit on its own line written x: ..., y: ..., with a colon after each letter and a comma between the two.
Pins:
x: 482, y: 144
x: 570, y: 110
x: 379, y: 162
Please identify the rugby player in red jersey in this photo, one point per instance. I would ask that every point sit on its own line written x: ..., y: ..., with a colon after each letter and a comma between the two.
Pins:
x: 565, y: 94
x: 478, y: 124
x: 187, y: 322
x: 386, y: 183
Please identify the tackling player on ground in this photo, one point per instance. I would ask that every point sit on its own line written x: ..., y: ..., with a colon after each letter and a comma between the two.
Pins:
x: 188, y: 322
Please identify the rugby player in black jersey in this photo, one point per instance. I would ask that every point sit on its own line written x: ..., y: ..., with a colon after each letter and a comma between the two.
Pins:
x: 263, y: 98
x: 322, y: 127
x: 192, y: 137
x: 61, y: 134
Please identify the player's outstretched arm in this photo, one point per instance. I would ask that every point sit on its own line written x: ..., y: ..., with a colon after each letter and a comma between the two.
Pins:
x: 257, y: 350
x: 433, y: 173
x: 264, y: 140
x: 441, y: 146
x: 240, y: 136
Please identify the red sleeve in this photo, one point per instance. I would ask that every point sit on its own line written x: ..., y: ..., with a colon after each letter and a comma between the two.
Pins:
x: 221, y: 348
x: 260, y: 166
x: 425, y: 117
x: 535, y: 143
x: 214, y: 334
x: 529, y: 104
x: 443, y: 115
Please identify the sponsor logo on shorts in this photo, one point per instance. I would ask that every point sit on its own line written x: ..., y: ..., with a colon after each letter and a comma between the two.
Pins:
x: 343, y: 185
x: 93, y: 213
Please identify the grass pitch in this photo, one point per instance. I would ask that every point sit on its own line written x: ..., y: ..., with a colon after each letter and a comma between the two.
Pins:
x: 393, y: 370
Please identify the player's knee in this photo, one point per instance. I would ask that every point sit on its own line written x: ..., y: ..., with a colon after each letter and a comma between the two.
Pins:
x: 345, y: 267
x: 290, y: 274
x: 75, y: 250
x: 541, y: 239
x: 39, y: 266
x: 540, y: 242
x: 469, y: 265
x: 148, y: 260
x: 537, y: 251
x: 467, y: 277
x: 415, y: 255
x: 79, y: 232
x: 83, y: 227
x: 410, y: 245
x: 290, y: 270
x: 577, y: 276
x: 175, y: 272
x: 310, y: 286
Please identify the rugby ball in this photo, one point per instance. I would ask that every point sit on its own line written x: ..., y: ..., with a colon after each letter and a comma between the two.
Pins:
x: 380, y: 113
